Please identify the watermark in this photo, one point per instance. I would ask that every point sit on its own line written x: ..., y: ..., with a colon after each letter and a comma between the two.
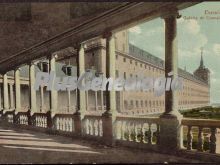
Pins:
x: 89, y: 81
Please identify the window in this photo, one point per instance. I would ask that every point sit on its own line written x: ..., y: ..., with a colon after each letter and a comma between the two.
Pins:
x: 142, y: 103
x: 125, y: 104
x: 130, y: 61
x: 136, y: 63
x: 132, y: 104
x: 145, y: 103
x: 116, y: 57
x: 141, y: 65
x: 131, y: 75
x: 137, y: 103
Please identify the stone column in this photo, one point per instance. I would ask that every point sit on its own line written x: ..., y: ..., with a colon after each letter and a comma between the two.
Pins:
x: 170, y: 128
x: 33, y: 100
x: 5, y: 88
x: 17, y: 90
x: 41, y: 92
x: 53, y: 93
x: 110, y: 113
x: 102, y: 101
x: 11, y: 96
x: 96, y: 101
x: 0, y: 97
x: 81, y: 95
x: 69, y: 100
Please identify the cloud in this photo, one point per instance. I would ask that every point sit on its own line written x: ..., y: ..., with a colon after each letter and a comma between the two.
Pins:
x: 216, y: 49
x: 191, y: 26
x: 135, y: 29
x: 190, y: 38
x: 154, y: 31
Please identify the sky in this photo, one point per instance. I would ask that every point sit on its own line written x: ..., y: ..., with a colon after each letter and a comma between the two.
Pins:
x: 195, y: 29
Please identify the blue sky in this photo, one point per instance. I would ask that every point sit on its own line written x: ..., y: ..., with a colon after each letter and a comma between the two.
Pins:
x: 192, y: 35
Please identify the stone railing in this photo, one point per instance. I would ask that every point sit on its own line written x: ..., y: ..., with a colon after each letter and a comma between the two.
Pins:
x: 92, y: 125
x: 39, y: 120
x: 21, y: 118
x: 137, y: 130
x: 9, y: 116
x: 201, y: 135
x: 63, y: 122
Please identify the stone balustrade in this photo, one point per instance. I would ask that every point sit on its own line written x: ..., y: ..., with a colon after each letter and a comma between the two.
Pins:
x: 63, y: 122
x: 39, y: 120
x: 92, y: 125
x: 21, y: 118
x: 200, y: 132
x: 135, y: 130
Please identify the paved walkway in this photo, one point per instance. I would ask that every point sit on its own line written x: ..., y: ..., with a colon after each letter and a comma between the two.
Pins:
x: 22, y: 146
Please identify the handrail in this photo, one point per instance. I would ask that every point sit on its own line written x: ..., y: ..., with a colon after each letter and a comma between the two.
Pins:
x: 201, y: 122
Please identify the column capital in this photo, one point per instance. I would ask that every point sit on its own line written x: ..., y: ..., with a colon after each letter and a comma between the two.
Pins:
x: 53, y: 55
x: 79, y: 46
x: 17, y: 69
x: 31, y: 63
x: 10, y: 84
x: 170, y: 13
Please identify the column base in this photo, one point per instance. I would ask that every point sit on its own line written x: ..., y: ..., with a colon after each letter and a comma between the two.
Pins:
x: 77, y: 123
x: 170, y: 132
x: 108, y: 131
x: 49, y: 120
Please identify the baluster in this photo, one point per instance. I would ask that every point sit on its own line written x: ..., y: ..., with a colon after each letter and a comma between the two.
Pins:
x: 213, y: 140
x: 135, y: 132
x: 189, y: 138
x: 71, y: 125
x: 96, y: 128
x: 158, y: 134
x: 91, y: 127
x: 129, y: 131
x: 149, y: 134
x: 200, y: 139
x: 65, y: 124
x: 22, y: 119
x: 62, y: 125
x: 101, y: 130
x: 68, y: 124
x: 40, y: 121
x: 142, y: 132
x: 100, y: 127
x: 36, y: 118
